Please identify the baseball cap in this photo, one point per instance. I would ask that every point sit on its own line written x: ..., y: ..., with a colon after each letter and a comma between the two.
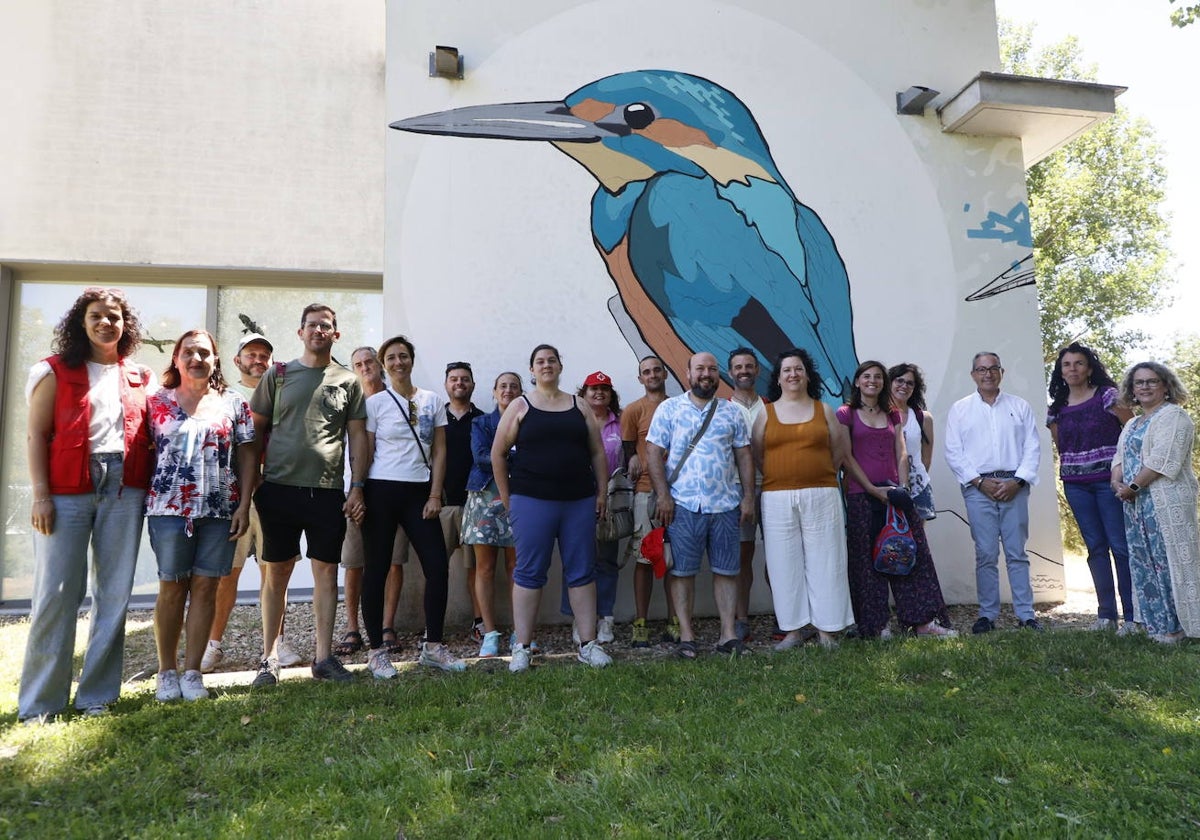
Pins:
x: 597, y: 378
x: 251, y: 338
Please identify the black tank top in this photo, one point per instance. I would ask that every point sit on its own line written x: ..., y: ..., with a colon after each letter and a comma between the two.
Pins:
x: 553, y: 459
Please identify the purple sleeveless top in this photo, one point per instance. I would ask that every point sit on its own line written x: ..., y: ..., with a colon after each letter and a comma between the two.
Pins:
x: 1087, y: 437
x: 874, y: 449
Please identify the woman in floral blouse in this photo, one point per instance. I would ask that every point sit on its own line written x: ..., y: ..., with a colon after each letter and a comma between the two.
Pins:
x: 198, y: 503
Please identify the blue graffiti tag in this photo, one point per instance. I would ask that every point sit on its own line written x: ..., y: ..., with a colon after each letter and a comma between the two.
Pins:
x: 1012, y: 226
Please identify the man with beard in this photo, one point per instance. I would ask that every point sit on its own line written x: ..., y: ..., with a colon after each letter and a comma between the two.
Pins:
x: 460, y: 412
x: 695, y: 441
x: 635, y: 425
x: 309, y: 406
x: 252, y: 359
x: 743, y: 370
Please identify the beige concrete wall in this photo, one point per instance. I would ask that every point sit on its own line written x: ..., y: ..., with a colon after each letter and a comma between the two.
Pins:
x: 227, y: 133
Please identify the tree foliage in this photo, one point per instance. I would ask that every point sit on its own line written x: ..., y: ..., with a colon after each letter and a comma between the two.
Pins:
x: 1185, y: 361
x: 1186, y: 14
x: 1099, y: 230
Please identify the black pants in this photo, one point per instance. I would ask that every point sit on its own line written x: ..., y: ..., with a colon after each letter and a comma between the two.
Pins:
x: 400, y: 503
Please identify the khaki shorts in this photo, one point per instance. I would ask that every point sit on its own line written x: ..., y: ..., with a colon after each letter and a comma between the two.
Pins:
x: 451, y: 520
x: 250, y: 542
x: 352, y: 547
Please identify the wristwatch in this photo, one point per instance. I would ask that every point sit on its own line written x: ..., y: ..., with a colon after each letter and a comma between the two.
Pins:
x: 1022, y: 482
x: 1134, y: 486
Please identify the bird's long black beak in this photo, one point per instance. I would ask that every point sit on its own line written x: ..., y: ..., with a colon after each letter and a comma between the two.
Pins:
x: 512, y: 121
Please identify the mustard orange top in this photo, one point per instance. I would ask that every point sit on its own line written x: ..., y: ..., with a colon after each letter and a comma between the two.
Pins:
x: 796, y: 456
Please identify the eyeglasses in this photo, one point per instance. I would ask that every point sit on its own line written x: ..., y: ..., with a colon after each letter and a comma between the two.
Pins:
x: 412, y: 413
x: 321, y: 327
x: 904, y: 383
x: 459, y: 366
x: 990, y: 369
x: 1146, y: 383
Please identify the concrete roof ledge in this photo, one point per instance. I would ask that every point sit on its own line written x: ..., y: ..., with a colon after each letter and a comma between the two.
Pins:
x: 1045, y: 114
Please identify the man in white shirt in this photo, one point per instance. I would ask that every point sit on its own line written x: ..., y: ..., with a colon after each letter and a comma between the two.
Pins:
x: 992, y: 448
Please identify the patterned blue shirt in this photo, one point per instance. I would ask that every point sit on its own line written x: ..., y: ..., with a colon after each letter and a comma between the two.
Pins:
x: 708, y: 482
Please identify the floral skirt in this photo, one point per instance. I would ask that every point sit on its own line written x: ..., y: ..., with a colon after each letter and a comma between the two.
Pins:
x: 485, y: 521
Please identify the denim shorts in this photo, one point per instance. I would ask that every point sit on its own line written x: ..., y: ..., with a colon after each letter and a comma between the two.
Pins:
x: 207, y: 552
x: 692, y: 533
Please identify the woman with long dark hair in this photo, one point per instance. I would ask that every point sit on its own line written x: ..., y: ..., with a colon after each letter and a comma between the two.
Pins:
x: 877, y: 461
x: 1085, y: 419
x: 199, y: 502
x: 89, y: 460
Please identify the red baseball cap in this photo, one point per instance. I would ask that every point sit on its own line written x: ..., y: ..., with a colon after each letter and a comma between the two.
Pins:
x: 597, y: 378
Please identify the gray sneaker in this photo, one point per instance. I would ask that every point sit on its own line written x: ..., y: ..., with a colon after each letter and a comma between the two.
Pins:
x: 437, y: 655
x: 167, y: 686
x: 380, y: 665
x: 191, y: 686
x: 594, y: 655
x: 331, y: 669
x: 268, y: 673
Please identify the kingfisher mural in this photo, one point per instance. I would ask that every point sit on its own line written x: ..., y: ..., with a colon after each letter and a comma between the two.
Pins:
x: 707, y: 244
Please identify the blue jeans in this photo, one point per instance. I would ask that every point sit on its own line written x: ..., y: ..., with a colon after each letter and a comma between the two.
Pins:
x: 607, y: 575
x: 993, y: 523
x: 111, y: 519
x: 1101, y: 523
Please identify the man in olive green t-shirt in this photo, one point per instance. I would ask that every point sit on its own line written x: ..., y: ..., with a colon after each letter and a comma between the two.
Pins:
x: 305, y: 410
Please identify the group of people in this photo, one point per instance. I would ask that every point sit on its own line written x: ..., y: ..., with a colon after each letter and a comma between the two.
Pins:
x: 363, y: 464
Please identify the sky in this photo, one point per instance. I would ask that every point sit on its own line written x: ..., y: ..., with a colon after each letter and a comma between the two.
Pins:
x: 1133, y: 43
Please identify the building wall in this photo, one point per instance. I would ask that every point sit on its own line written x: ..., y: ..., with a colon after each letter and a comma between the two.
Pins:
x: 219, y: 134
x: 495, y: 237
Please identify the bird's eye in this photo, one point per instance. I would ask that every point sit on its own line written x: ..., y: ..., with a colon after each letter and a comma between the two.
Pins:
x: 638, y: 115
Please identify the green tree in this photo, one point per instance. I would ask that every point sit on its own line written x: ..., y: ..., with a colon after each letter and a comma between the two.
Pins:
x: 1185, y: 361
x: 1095, y: 206
x: 1185, y: 14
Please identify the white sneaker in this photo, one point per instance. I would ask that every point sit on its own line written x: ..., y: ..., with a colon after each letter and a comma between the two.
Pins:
x: 167, y: 686
x: 936, y: 630
x: 1102, y: 624
x: 521, y: 657
x: 287, y: 655
x: 191, y: 686
x: 885, y: 633
x: 380, y: 665
x: 604, y: 630
x: 594, y: 655
x: 437, y: 655
x: 212, y: 656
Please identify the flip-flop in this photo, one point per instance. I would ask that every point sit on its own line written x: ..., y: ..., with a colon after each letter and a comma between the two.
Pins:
x: 393, y: 646
x: 351, y: 643
x: 686, y: 650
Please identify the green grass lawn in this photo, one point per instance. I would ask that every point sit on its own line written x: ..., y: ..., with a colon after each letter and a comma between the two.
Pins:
x: 1012, y: 734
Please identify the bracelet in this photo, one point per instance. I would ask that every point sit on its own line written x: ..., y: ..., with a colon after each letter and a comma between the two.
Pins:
x: 438, y: 496
x: 47, y: 499
x: 356, y: 484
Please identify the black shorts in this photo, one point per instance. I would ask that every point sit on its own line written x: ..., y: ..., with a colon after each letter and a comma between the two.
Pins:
x: 287, y: 512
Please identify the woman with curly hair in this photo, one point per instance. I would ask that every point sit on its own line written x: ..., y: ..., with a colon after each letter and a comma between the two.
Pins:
x: 1152, y: 474
x: 90, y: 459
x: 1085, y: 419
x: 199, y: 502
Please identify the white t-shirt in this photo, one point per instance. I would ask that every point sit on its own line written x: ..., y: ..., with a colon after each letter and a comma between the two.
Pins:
x: 397, y: 457
x: 106, y: 426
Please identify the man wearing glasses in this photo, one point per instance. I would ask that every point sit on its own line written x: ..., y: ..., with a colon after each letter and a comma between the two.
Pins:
x: 992, y: 448
x: 307, y: 408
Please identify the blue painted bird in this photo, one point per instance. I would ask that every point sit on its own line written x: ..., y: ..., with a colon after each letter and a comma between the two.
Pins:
x: 706, y: 242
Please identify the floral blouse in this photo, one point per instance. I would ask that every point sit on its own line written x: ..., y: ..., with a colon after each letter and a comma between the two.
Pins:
x: 195, y: 474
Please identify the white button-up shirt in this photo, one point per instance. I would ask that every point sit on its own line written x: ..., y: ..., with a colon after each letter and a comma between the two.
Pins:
x: 982, y: 438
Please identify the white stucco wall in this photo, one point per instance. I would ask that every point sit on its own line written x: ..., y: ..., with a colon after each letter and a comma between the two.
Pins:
x: 493, y: 236
x: 201, y: 134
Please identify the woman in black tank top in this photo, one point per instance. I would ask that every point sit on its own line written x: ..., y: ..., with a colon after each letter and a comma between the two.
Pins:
x: 552, y: 494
